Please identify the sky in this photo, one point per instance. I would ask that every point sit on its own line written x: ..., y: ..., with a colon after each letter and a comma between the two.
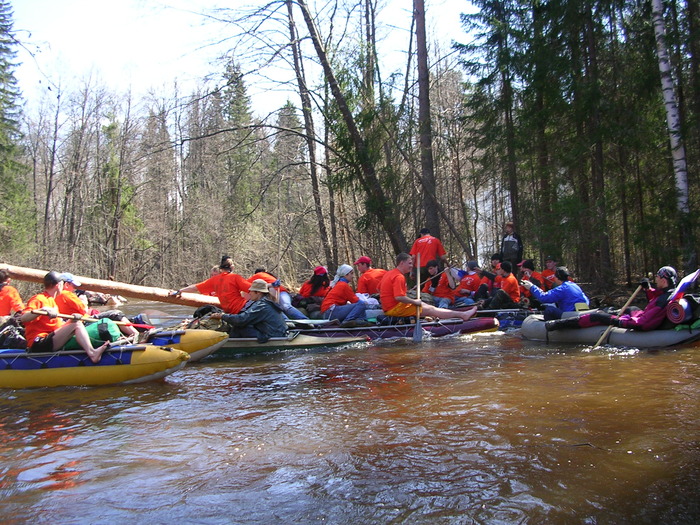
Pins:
x: 137, y: 45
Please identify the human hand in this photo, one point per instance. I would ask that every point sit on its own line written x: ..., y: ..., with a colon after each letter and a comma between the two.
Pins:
x: 216, y: 315
x: 645, y: 283
x: 77, y: 317
x: 526, y: 284
x: 276, y: 284
x: 431, y: 289
x: 176, y: 293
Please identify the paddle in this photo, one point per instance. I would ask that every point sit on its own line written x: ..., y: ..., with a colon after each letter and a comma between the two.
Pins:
x: 418, y: 331
x: 609, y: 328
x: 94, y: 320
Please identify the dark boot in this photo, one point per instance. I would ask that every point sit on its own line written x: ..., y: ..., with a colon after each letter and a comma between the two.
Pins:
x: 561, y: 324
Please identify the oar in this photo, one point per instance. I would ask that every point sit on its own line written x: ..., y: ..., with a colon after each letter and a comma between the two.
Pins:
x: 93, y: 320
x: 609, y: 328
x: 418, y: 331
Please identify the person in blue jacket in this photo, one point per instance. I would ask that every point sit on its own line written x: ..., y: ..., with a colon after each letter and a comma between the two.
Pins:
x: 563, y: 296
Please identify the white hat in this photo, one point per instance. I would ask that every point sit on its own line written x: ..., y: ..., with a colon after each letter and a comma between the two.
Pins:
x: 258, y: 285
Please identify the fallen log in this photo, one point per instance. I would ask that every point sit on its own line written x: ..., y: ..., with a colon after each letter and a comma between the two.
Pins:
x: 133, y: 291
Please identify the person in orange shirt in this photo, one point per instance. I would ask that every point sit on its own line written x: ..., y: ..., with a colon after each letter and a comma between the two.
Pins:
x: 342, y: 303
x: 46, y: 332
x: 527, y: 270
x: 442, y: 287
x: 548, y: 273
x: 317, y: 286
x: 229, y: 287
x: 490, y: 281
x: 395, y: 302
x: 430, y: 248
x: 370, y: 278
x: 69, y: 303
x: 10, y: 300
x: 508, y: 295
x: 283, y: 297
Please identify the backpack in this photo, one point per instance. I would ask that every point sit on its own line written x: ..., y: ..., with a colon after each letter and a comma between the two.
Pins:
x: 12, y: 336
x: 99, y: 332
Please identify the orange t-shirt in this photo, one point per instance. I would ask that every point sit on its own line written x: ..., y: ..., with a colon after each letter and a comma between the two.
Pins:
x: 429, y: 248
x: 10, y: 301
x: 305, y: 290
x: 339, y: 295
x: 534, y: 276
x: 548, y: 279
x: 269, y: 279
x: 511, y: 286
x: 42, y: 325
x: 470, y: 283
x: 69, y: 303
x: 228, y: 288
x: 370, y: 280
x: 393, y: 285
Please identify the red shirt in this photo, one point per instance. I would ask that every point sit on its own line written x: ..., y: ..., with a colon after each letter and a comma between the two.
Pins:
x: 42, y: 325
x: 69, y: 303
x: 393, y: 285
x: 370, y: 280
x: 339, y: 295
x: 534, y: 276
x: 548, y: 279
x: 429, y: 247
x: 228, y: 288
x: 269, y: 279
x: 10, y: 301
x: 470, y: 283
x: 442, y: 289
x: 305, y: 290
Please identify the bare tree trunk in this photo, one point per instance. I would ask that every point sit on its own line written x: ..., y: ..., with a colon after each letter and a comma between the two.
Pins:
x: 425, y: 132
x: 675, y: 135
x: 386, y: 214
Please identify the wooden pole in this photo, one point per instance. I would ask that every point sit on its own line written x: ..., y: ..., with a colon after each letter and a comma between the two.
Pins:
x: 609, y: 328
x: 418, y: 330
x: 133, y: 291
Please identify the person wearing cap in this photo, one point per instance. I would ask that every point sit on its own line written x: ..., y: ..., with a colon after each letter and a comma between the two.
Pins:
x: 370, y: 278
x: 262, y: 318
x: 283, y: 297
x: 395, y: 302
x: 342, y: 303
x: 46, y: 332
x: 317, y: 286
x: 441, y: 286
x: 508, y: 293
x: 511, y: 245
x: 650, y: 318
x: 430, y: 248
x: 229, y: 287
x: 562, y: 298
x: 10, y: 300
x: 469, y: 284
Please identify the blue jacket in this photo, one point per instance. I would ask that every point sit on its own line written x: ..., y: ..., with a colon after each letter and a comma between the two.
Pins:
x: 566, y: 295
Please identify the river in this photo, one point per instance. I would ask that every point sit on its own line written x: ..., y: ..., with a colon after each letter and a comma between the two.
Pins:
x: 471, y: 429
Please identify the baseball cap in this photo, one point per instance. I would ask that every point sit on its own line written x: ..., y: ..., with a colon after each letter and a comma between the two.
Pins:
x: 363, y: 259
x: 70, y: 278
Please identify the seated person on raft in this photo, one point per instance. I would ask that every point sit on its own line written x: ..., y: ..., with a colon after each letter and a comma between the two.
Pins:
x: 507, y: 295
x: 441, y: 285
x: 648, y: 319
x: 341, y: 301
x: 45, y: 331
x: 283, y: 297
x: 562, y: 298
x: 262, y: 318
x: 396, y: 303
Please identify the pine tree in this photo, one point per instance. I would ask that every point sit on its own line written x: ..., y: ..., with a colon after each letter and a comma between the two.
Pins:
x: 16, y: 217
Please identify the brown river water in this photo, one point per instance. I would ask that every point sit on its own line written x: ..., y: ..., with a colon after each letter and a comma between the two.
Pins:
x: 471, y: 429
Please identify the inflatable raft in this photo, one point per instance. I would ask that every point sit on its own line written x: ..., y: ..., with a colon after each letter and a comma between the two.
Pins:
x: 198, y: 343
x: 533, y: 329
x: 119, y: 364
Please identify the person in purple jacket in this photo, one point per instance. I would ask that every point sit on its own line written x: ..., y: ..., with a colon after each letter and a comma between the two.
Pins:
x: 648, y: 319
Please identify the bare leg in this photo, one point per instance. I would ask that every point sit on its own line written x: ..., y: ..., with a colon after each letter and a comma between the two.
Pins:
x: 128, y: 331
x: 63, y: 334
x: 442, y: 313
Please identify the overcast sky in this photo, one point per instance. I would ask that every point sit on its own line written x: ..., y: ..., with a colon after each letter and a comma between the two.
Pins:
x: 142, y: 44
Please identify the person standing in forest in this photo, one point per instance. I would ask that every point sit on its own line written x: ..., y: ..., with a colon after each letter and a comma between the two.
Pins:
x: 395, y: 302
x: 511, y: 245
x: 430, y: 248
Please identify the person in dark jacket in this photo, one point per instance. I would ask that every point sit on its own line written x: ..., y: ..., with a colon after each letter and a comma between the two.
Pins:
x: 262, y: 319
x: 511, y: 245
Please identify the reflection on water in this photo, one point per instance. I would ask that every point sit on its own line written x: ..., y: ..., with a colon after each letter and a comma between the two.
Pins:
x: 474, y: 429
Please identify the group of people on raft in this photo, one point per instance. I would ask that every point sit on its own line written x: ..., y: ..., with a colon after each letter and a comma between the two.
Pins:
x: 260, y: 306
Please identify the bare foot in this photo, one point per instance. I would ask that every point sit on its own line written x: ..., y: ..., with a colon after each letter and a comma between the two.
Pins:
x: 469, y: 313
x: 96, y: 354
